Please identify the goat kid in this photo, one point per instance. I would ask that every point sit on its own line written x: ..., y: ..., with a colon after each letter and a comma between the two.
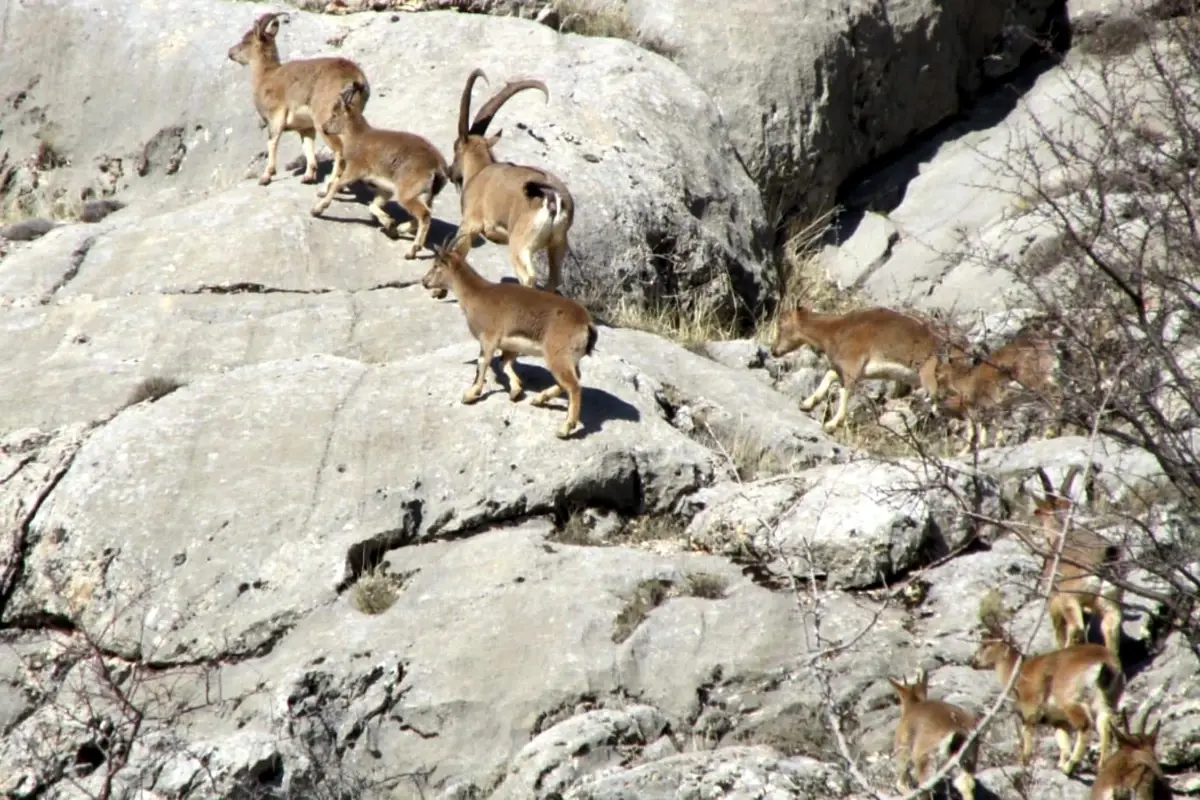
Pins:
x: 527, y: 208
x: 518, y: 320
x: 1076, y: 688
x: 396, y: 163
x: 969, y: 391
x: 875, y: 343
x: 1077, y: 589
x: 931, y: 730
x: 295, y: 95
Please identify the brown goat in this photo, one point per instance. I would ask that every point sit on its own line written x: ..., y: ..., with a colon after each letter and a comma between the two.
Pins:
x: 393, y: 162
x: 295, y: 95
x: 528, y: 208
x: 1132, y: 772
x: 1077, y: 588
x: 518, y: 320
x: 876, y: 343
x: 969, y: 391
x: 1075, y: 688
x: 929, y: 728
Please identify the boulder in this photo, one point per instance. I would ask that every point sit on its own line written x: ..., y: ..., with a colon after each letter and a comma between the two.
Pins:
x: 813, y: 91
x: 662, y: 205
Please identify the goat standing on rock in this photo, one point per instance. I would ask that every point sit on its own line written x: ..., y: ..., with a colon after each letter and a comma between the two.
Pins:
x: 528, y: 208
x: 518, y: 320
x: 929, y: 728
x: 296, y: 95
x: 394, y: 162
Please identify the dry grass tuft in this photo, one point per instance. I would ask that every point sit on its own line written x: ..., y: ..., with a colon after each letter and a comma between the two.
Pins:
x: 744, y: 452
x: 375, y: 591
x: 153, y: 389
x: 706, y: 585
x: 648, y: 595
x: 1116, y: 37
x: 991, y: 609
x: 690, y: 327
x: 611, y: 21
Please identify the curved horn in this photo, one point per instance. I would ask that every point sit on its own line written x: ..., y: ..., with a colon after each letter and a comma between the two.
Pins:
x: 1068, y: 479
x: 1047, y: 484
x: 464, y: 106
x: 484, y: 117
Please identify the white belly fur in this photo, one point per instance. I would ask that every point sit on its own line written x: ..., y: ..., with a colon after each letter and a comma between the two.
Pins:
x: 522, y: 346
x: 301, y: 117
x: 890, y: 371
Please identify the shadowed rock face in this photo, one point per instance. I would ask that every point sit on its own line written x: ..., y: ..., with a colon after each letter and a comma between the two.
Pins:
x: 253, y: 545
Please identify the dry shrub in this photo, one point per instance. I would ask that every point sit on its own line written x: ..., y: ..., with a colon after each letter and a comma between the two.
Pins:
x: 153, y: 389
x: 375, y: 591
x: 610, y: 20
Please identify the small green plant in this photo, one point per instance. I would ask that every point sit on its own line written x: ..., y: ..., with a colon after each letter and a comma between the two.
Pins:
x: 153, y: 389
x: 375, y: 591
x: 648, y: 595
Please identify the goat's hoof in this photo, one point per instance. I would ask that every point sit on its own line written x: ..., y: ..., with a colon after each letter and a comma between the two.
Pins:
x: 516, y: 394
x: 264, y: 180
x: 807, y: 406
x: 316, y: 211
x: 411, y: 253
x: 829, y: 427
x: 565, y: 431
x: 309, y: 178
x: 538, y: 401
x: 470, y: 396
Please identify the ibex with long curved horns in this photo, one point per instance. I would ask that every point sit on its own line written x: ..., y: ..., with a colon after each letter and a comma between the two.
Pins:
x: 528, y: 208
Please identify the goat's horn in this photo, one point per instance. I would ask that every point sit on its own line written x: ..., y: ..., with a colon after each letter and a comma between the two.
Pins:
x: 1047, y: 484
x: 464, y: 106
x: 1068, y: 479
x: 484, y: 117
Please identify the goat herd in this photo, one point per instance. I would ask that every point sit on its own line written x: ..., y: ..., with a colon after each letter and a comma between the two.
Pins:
x: 1076, y: 687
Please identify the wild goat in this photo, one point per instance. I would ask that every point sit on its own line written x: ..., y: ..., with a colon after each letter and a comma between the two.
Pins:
x: 1075, y: 688
x: 518, y: 320
x: 393, y: 162
x: 296, y: 95
x: 528, y: 208
x: 1132, y: 771
x: 876, y: 343
x: 969, y: 391
x: 929, y: 728
x: 1077, y: 588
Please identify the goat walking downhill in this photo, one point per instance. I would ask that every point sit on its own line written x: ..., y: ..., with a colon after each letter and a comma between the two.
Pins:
x: 394, y: 162
x: 519, y: 320
x: 295, y: 95
x: 875, y: 343
x: 528, y: 208
x: 1076, y: 688
x: 928, y: 734
x: 1077, y: 588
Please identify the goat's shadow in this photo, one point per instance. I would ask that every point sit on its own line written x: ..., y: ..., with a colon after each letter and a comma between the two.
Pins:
x: 359, y: 192
x: 596, y: 407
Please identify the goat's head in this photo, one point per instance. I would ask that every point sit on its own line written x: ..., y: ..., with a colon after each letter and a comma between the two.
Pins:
x: 473, y: 143
x: 1137, y: 737
x: 437, y: 279
x: 339, y: 115
x: 259, y: 40
x: 790, y: 334
x: 994, y: 646
x: 914, y: 692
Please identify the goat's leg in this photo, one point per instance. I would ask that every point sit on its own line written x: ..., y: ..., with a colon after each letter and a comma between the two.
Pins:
x: 521, y: 256
x: 515, y: 390
x: 1104, y: 721
x: 1081, y: 737
x: 1026, y: 740
x: 385, y: 219
x: 274, y: 132
x: 1110, y: 625
x: 308, y: 141
x: 346, y: 178
x: 567, y: 376
x: 849, y: 381
x: 556, y: 254
x: 464, y: 237
x: 1063, y: 737
x: 339, y: 162
x: 418, y: 209
x: 486, y: 348
x: 1058, y: 620
x: 965, y: 783
x: 903, y: 781
x: 823, y: 389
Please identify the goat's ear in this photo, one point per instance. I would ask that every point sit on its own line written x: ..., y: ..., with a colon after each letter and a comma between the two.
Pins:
x: 900, y: 688
x: 495, y: 137
x: 269, y: 29
x: 1152, y: 734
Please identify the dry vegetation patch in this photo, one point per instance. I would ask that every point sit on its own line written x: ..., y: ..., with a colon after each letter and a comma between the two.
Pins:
x: 153, y: 389
x: 652, y: 593
x: 609, y: 19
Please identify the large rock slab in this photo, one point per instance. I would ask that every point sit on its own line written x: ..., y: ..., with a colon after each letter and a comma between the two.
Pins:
x: 813, y: 91
x: 663, y: 205
x: 332, y: 456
